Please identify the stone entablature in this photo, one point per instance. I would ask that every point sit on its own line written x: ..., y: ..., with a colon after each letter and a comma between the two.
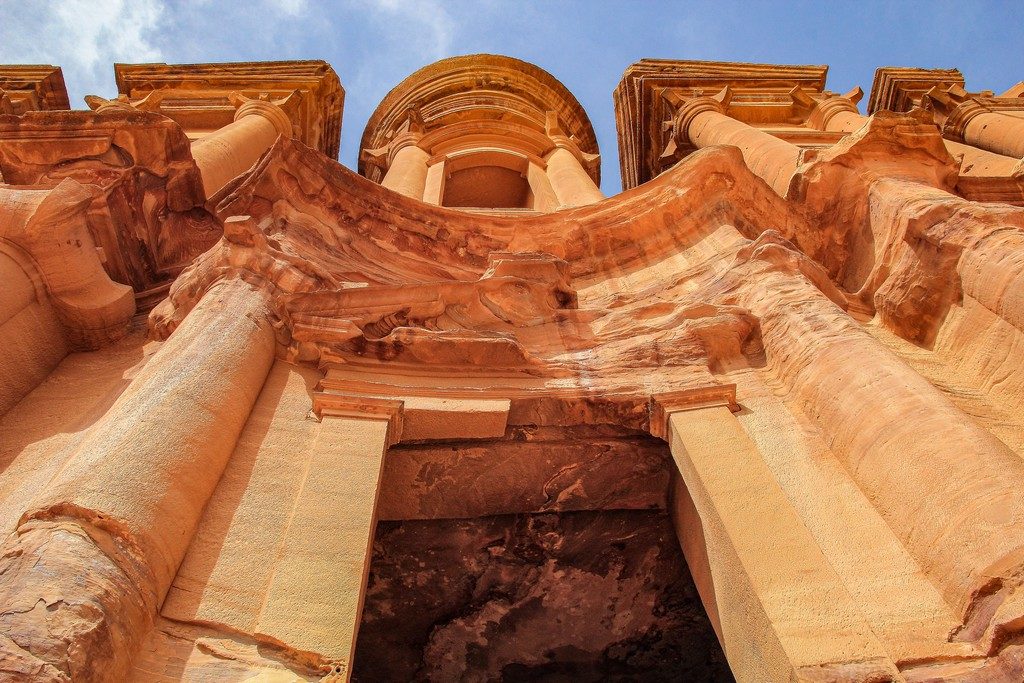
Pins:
x: 173, y: 138
x: 941, y: 92
x: 900, y: 89
x: 32, y: 88
x: 983, y: 129
x: 203, y: 98
x: 762, y: 95
x: 781, y: 118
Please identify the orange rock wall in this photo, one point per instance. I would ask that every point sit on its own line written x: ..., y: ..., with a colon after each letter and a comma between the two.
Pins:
x: 797, y: 350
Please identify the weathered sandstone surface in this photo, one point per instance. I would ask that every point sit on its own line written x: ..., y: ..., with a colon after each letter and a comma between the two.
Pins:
x: 757, y: 417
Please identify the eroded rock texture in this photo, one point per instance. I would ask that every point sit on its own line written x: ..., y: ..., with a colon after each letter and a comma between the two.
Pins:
x: 575, y: 596
x: 791, y: 351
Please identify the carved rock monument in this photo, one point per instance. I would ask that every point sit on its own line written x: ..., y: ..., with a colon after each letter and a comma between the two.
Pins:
x: 460, y: 417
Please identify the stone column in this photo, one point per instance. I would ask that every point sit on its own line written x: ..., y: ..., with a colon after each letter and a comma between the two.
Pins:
x: 331, y: 535
x: 544, y: 198
x: 703, y: 122
x: 839, y: 115
x: 223, y: 155
x: 996, y: 132
x: 836, y: 114
x: 978, y: 162
x: 965, y: 119
x: 570, y: 182
x: 407, y: 171
x: 949, y: 489
x: 94, y: 556
x: 780, y: 610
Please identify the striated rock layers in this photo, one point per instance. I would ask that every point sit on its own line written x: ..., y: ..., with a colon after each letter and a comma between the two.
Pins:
x: 463, y: 418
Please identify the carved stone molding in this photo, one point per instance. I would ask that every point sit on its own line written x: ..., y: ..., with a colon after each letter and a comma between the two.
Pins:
x: 329, y: 405
x: 147, y: 215
x: 899, y: 89
x: 492, y: 94
x: 652, y: 90
x: 664, y: 404
x: 199, y: 96
x: 25, y: 88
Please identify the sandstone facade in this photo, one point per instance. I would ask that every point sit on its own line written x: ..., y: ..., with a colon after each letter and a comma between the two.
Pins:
x: 458, y: 416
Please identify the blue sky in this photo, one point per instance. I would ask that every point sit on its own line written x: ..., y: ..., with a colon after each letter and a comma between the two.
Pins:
x: 374, y: 44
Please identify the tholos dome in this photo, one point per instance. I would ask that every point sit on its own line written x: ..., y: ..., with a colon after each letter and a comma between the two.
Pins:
x: 486, y: 132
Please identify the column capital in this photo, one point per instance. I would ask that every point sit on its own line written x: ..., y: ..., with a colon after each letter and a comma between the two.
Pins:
x: 328, y: 404
x: 825, y: 110
x: 561, y: 140
x: 383, y: 157
x: 691, y: 108
x: 665, y: 403
x: 569, y: 145
x: 268, y: 110
x: 953, y: 109
x: 401, y: 141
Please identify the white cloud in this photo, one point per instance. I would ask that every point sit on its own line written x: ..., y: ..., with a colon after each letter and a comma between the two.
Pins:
x: 412, y: 18
x: 84, y: 37
x: 292, y: 8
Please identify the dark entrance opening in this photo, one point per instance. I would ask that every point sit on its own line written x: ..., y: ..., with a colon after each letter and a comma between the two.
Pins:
x: 545, y: 595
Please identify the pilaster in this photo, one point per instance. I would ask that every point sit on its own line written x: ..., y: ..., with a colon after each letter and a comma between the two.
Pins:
x: 781, y: 613
x: 325, y: 557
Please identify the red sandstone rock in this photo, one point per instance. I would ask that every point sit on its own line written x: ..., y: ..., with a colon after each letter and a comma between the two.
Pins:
x: 810, y: 307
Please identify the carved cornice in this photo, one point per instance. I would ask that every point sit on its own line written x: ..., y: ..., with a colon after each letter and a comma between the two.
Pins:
x: 899, y: 89
x: 486, y: 90
x: 199, y: 96
x: 26, y: 87
x: 465, y: 297
x: 651, y: 91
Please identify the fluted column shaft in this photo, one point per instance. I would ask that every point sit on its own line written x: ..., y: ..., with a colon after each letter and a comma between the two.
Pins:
x: 223, y: 155
x: 407, y: 173
x: 571, y: 183
x: 123, y: 509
